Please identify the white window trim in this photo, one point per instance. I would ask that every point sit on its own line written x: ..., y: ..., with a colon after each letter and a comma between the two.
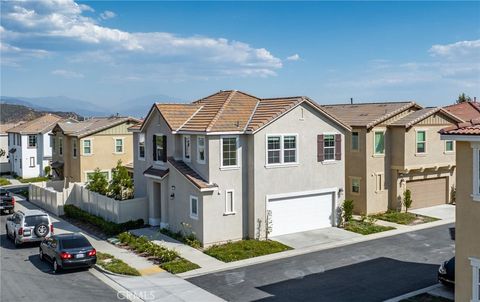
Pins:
x: 445, y: 147
x: 226, y: 202
x: 358, y: 142
x: 382, y: 175
x: 352, y: 178
x: 144, y: 147
x: 475, y: 170
x: 28, y: 141
x: 198, y: 149
x: 281, y: 163
x: 189, y: 149
x: 416, y: 143
x: 375, y: 154
x: 192, y: 215
x: 222, y: 167
x: 30, y: 162
x: 475, y: 263
x: 115, y: 145
x: 91, y: 146
x: 92, y: 171
x: 326, y: 161
x: 157, y: 162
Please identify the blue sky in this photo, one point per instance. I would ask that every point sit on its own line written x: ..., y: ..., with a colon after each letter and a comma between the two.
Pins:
x: 107, y: 52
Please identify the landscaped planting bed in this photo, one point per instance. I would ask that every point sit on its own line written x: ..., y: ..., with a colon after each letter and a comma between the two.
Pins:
x: 365, y: 227
x: 4, y: 181
x: 33, y: 179
x: 244, y: 249
x: 405, y: 218
x: 114, y: 265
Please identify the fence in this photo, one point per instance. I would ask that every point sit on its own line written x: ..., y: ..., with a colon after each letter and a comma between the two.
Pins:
x: 52, y: 197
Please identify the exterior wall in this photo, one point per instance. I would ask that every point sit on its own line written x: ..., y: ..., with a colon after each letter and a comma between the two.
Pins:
x: 4, y: 160
x: 16, y: 157
x: 356, y: 167
x: 28, y: 171
x: 467, y: 227
x: 139, y: 181
x: 25, y: 153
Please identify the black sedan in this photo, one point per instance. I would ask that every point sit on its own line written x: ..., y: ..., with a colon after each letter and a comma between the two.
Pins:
x: 68, y: 251
x: 446, y: 272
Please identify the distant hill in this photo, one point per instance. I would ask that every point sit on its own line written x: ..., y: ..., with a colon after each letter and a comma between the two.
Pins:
x: 11, y: 113
x: 139, y: 107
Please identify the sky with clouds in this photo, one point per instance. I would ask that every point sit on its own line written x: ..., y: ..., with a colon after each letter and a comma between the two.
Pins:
x: 107, y: 52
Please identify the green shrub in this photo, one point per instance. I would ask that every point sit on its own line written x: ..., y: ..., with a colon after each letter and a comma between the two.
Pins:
x: 115, y: 265
x: 347, y: 209
x: 121, y: 185
x: 178, y: 266
x: 108, y: 227
x: 33, y: 179
x: 186, y: 235
x: 143, y: 245
x: 4, y: 181
x: 98, y: 182
x: 407, y: 199
x: 47, y: 170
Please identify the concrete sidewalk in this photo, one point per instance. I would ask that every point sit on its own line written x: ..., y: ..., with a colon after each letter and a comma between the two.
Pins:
x: 437, y: 290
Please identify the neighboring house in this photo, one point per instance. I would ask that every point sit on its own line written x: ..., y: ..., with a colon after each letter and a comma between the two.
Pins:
x: 80, y: 148
x: 4, y: 163
x: 29, y: 146
x: 229, y: 163
x: 467, y: 226
x: 392, y: 147
x: 466, y: 111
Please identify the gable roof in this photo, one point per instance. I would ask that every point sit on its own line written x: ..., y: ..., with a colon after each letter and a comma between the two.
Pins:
x: 191, y: 175
x: 466, y: 110
x: 93, y: 125
x: 230, y: 111
x: 471, y: 127
x: 419, y: 115
x: 368, y: 114
x: 5, y: 127
x: 41, y: 125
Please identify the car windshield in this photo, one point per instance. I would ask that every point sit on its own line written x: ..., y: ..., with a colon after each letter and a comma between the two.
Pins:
x: 73, y: 243
x: 3, y: 192
x: 36, y: 220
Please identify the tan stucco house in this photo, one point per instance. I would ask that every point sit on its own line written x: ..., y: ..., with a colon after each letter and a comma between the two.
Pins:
x: 230, y: 162
x: 79, y: 148
x: 467, y: 226
x: 392, y: 147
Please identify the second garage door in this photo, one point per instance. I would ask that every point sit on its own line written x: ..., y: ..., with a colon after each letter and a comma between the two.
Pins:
x: 428, y: 192
x: 300, y: 213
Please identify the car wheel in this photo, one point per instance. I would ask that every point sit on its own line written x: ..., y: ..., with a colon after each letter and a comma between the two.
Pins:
x: 56, y: 267
x: 40, y: 254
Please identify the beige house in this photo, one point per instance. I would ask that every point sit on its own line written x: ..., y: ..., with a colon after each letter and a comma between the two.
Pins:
x: 393, y: 147
x: 79, y: 148
x: 467, y: 227
x: 230, y: 163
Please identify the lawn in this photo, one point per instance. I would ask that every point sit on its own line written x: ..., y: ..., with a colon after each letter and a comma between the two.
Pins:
x: 244, y: 249
x: 34, y: 179
x: 4, y: 181
x: 426, y: 298
x: 365, y: 227
x: 115, y: 265
x: 404, y: 218
x: 179, y: 265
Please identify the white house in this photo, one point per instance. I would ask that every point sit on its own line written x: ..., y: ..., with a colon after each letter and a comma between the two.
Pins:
x: 4, y: 164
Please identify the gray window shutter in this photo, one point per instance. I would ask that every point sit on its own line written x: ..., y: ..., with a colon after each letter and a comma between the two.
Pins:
x: 154, y: 148
x: 320, y: 156
x: 164, y: 152
x: 338, y: 147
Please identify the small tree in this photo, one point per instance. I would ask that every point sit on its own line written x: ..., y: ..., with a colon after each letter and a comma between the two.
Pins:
x: 47, y: 170
x: 407, y: 199
x: 121, y: 185
x: 268, y: 224
x: 463, y: 98
x: 98, y: 182
x: 347, y: 208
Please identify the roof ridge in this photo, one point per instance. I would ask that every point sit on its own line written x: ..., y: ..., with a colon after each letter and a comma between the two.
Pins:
x: 217, y: 115
x: 391, y: 114
x: 195, y: 113
x: 370, y: 103
x: 252, y: 115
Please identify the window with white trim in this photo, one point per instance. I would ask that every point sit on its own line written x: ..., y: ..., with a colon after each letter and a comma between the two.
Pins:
x: 379, y: 143
x: 229, y: 151
x: 74, y: 147
x: 87, y: 147
x: 421, y: 141
x: 52, y: 144
x: 201, y: 149
x: 355, y: 185
x: 187, y: 148
x: 282, y: 149
x: 119, y: 145
x: 355, y: 141
x: 229, y: 202
x: 475, y: 279
x: 193, y: 207
x: 32, y: 162
x: 379, y: 182
x: 141, y: 145
x: 328, y: 147
x: 449, y: 146
x: 32, y: 141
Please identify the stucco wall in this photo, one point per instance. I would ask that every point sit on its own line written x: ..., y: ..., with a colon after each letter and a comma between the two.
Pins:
x: 4, y: 163
x: 356, y: 167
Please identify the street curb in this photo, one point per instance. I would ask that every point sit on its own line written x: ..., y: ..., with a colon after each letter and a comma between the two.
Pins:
x: 312, y: 249
x: 414, y: 293
x: 103, y: 275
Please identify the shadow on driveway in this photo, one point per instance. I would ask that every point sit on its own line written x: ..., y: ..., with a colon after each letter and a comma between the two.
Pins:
x: 374, y: 280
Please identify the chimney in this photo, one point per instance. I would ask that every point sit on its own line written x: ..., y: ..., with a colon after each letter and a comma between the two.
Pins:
x: 351, y: 101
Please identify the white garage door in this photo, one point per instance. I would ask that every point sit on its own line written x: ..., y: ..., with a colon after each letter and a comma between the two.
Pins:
x: 300, y: 213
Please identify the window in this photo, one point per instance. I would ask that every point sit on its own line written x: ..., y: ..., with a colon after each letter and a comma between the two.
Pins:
x: 289, y: 149
x: 421, y: 142
x: 449, y: 145
x: 475, y: 279
x: 20, y: 163
x: 229, y: 151
x: 355, y: 145
x: 141, y: 145
x: 32, y: 162
x: 60, y: 145
x: 378, y: 182
x: 52, y: 144
x: 32, y: 141
x: 119, y: 145
x: 201, y: 149
x: 186, y: 148
x: 87, y: 147
x: 476, y: 173
x: 74, y: 147
x: 194, y: 207
x: 355, y: 185
x: 273, y: 147
x: 329, y: 147
x: 281, y: 149
x: 160, y: 148
x: 229, y: 202
x: 379, y: 142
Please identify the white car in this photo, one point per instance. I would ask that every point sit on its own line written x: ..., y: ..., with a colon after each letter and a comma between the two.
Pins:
x: 29, y: 226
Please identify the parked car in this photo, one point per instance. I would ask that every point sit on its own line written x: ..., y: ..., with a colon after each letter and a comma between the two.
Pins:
x: 7, y: 201
x: 66, y: 251
x: 29, y: 226
x: 446, y: 272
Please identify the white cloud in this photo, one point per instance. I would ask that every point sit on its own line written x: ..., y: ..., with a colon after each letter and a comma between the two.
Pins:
x: 107, y: 15
x: 294, y: 57
x: 67, y: 74
x: 458, y: 49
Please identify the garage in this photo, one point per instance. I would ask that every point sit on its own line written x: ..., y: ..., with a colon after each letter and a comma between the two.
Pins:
x: 428, y: 192
x: 300, y: 212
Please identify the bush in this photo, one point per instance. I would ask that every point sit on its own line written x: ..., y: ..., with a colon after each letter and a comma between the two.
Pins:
x: 98, y: 182
x: 347, y: 209
x: 143, y: 246
x: 407, y: 199
x: 115, y: 265
x: 186, y: 235
x: 121, y: 185
x: 4, y: 181
x: 47, y: 170
x: 108, y: 227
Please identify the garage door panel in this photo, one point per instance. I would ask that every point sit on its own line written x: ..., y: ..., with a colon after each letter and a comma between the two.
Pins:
x: 301, y: 213
x: 428, y: 192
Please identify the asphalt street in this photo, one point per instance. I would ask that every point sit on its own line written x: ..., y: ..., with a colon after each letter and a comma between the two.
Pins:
x: 23, y: 277
x: 375, y: 270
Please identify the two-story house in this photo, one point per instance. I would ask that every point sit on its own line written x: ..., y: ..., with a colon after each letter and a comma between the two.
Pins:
x: 29, y: 146
x: 80, y: 148
x: 4, y: 163
x: 467, y: 212
x: 231, y: 164
x: 393, y: 147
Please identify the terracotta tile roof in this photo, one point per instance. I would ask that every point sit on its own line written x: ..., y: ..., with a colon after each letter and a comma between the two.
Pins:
x: 471, y: 127
x: 5, y: 127
x: 177, y: 114
x: 466, y: 110
x: 422, y: 114
x: 190, y: 174
x: 367, y: 114
x: 155, y: 172
x: 42, y: 124
x: 268, y: 109
x: 136, y: 126
x: 93, y: 125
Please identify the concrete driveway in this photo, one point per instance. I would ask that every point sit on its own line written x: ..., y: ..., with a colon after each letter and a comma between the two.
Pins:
x: 444, y: 211
x: 315, y: 237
